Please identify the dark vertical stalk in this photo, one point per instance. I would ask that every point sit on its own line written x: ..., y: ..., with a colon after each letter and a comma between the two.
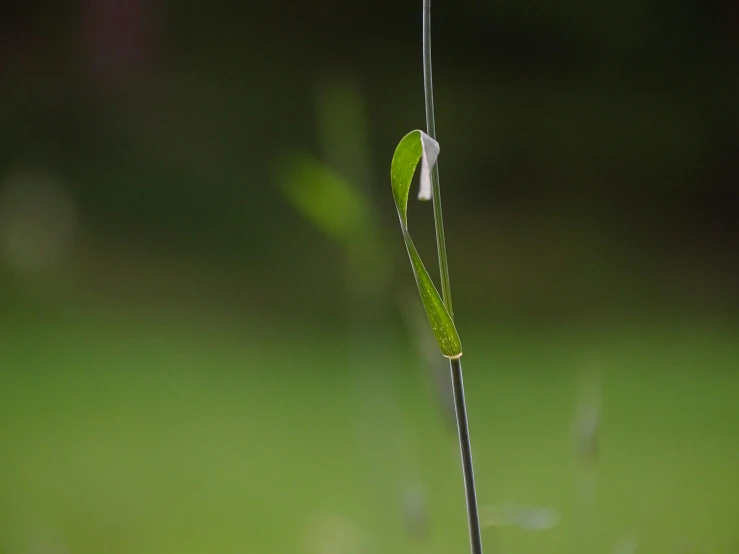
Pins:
x: 465, y: 448
x: 455, y: 365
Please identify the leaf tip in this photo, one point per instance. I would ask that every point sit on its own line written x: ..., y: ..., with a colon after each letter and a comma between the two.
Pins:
x: 429, y: 154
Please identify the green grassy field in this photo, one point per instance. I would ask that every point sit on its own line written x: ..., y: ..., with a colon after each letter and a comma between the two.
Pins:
x: 153, y: 435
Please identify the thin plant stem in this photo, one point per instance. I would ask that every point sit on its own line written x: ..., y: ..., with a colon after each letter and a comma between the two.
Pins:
x: 465, y: 448
x: 428, y: 94
x: 455, y: 365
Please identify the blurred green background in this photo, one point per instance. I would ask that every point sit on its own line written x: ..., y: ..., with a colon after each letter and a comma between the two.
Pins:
x: 208, y: 334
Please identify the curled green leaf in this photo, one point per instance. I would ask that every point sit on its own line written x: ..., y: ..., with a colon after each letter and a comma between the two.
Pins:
x: 417, y: 147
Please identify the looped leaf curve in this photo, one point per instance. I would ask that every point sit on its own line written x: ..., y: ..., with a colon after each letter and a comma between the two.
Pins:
x: 417, y: 147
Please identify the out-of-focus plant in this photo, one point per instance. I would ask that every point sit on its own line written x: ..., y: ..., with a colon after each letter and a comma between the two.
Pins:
x: 333, y: 193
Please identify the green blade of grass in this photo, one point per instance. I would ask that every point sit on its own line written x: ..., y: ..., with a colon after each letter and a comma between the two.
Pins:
x: 324, y: 198
x: 417, y: 147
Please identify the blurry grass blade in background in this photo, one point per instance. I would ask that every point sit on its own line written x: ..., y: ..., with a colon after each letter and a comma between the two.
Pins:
x: 341, y: 211
x: 586, y: 439
x: 414, y: 147
x: 437, y: 368
x: 324, y: 198
x: 415, y: 511
x: 343, y: 130
x: 333, y: 193
x: 587, y: 419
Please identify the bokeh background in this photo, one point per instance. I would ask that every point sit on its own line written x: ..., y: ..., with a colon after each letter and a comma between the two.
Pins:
x: 209, y: 334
